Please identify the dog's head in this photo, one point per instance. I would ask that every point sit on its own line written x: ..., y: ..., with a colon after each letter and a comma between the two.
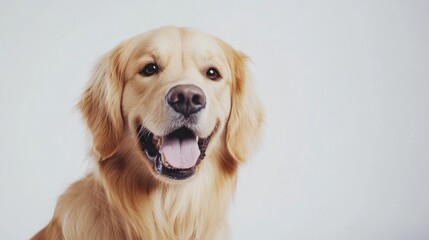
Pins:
x: 172, y: 97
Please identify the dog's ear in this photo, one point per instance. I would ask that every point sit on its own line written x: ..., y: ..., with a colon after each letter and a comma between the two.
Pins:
x: 246, y: 116
x: 101, y: 104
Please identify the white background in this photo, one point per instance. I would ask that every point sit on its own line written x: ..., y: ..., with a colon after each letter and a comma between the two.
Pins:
x: 345, y: 154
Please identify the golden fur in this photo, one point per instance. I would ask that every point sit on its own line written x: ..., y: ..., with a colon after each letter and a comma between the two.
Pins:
x: 123, y: 198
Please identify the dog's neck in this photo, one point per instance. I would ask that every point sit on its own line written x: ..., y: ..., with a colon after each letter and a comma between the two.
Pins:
x: 187, y: 210
x: 190, y: 210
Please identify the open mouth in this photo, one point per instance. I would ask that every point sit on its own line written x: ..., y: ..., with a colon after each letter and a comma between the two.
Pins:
x: 176, y: 154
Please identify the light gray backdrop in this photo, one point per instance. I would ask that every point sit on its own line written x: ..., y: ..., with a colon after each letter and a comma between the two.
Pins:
x: 345, y: 154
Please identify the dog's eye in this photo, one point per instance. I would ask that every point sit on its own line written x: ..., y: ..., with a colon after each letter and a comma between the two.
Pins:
x: 149, y: 70
x: 213, y: 74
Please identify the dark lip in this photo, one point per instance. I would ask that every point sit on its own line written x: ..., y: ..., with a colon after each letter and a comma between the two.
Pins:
x: 145, y: 139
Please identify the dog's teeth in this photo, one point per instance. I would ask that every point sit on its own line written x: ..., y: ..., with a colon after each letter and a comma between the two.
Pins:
x: 166, y: 164
x: 157, y: 141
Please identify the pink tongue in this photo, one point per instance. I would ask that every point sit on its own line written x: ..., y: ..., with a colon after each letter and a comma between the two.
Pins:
x: 180, y: 153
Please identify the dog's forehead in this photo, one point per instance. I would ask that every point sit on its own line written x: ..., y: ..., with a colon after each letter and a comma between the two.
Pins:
x: 171, y: 40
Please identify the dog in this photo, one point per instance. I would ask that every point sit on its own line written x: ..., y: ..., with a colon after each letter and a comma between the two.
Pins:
x: 172, y: 114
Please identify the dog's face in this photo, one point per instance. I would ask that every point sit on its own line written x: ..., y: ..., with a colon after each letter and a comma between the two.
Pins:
x: 178, y: 95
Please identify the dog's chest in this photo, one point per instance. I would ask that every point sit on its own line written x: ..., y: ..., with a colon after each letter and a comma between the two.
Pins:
x: 190, y: 213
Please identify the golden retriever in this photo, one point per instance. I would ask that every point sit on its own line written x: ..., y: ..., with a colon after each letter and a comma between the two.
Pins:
x: 172, y: 115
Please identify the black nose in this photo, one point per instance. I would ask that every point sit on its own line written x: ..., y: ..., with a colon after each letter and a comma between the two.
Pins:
x: 186, y: 99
